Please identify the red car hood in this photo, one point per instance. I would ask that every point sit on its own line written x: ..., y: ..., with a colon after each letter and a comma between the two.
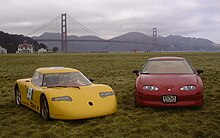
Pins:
x: 168, y: 79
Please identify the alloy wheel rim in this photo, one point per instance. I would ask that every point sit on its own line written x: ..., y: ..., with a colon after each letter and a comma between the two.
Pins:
x: 44, y: 110
x: 18, y: 97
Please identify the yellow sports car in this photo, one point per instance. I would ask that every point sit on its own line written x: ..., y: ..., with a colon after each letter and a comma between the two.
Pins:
x: 64, y: 93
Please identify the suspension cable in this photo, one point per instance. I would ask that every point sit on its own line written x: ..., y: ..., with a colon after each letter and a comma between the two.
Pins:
x: 44, y: 26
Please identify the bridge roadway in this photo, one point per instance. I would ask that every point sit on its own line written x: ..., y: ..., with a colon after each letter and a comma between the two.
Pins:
x: 103, y: 41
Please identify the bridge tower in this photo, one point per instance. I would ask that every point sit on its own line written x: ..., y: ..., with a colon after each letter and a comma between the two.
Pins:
x: 154, y: 38
x: 64, y: 32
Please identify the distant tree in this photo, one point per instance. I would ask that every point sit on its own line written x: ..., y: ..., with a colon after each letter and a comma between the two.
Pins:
x: 55, y: 49
x: 11, y: 48
x: 41, y: 45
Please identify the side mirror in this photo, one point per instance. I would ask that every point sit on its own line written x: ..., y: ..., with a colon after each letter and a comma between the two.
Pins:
x: 136, y: 72
x: 199, y: 71
x: 91, y: 80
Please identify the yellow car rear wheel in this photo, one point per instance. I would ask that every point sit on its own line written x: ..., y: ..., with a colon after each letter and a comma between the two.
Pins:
x: 17, y: 96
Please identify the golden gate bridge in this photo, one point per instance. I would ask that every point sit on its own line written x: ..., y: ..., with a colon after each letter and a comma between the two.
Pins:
x: 64, y: 26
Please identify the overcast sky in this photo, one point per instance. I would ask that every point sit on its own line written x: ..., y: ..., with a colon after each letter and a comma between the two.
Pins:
x: 109, y: 18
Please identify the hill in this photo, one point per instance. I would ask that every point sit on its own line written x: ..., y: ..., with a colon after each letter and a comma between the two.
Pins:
x: 11, y: 41
x: 168, y: 43
x: 180, y: 43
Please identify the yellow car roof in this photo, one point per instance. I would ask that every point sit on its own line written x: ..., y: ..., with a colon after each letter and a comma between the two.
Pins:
x: 47, y: 70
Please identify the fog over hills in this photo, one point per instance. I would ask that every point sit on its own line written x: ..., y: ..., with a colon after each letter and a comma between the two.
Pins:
x: 144, y: 43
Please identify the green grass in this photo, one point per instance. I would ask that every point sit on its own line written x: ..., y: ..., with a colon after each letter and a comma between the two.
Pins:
x: 114, y: 69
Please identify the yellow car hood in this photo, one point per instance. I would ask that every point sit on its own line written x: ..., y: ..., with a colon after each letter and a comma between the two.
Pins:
x: 86, y: 102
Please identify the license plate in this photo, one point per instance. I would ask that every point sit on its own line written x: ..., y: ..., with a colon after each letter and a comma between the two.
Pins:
x: 169, y: 99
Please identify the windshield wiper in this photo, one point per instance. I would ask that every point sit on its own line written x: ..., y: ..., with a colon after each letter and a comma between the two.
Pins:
x: 63, y: 86
x: 55, y: 86
x: 144, y: 73
x: 74, y: 86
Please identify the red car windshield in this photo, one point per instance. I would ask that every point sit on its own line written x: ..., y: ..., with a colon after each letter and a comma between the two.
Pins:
x: 167, y: 67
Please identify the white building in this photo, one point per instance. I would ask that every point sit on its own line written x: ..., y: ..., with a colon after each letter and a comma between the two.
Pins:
x: 42, y: 50
x: 25, y: 48
x: 3, y: 50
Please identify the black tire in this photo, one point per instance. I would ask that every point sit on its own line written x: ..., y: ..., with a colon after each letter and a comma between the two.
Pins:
x: 44, y: 109
x: 17, y: 96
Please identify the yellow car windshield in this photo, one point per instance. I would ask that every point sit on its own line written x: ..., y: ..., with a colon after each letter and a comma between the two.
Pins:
x: 68, y: 79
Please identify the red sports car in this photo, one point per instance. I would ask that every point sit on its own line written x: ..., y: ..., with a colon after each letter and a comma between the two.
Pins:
x: 168, y: 81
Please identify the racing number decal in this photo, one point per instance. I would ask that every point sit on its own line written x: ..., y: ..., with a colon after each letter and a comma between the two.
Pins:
x: 30, y: 93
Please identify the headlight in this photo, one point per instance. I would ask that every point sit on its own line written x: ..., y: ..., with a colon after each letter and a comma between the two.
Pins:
x: 63, y: 98
x: 105, y: 94
x: 188, y: 88
x: 150, y: 87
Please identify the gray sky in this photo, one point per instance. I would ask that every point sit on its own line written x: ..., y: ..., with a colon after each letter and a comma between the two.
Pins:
x: 109, y: 18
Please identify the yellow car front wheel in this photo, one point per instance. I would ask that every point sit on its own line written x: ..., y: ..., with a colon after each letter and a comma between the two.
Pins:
x: 44, y: 108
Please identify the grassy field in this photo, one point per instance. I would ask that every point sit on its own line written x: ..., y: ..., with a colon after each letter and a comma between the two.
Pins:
x: 114, y: 69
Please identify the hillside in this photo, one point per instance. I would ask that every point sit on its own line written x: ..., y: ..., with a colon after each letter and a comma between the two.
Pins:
x: 168, y: 43
x: 180, y: 43
x: 11, y: 41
